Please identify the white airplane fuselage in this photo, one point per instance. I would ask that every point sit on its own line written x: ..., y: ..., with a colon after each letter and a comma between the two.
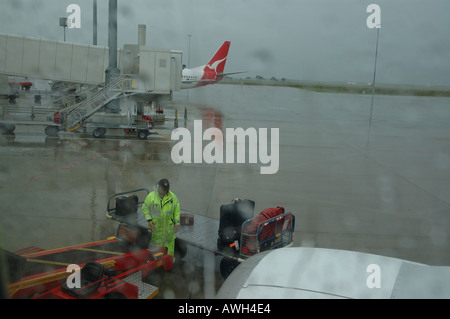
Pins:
x: 210, y: 73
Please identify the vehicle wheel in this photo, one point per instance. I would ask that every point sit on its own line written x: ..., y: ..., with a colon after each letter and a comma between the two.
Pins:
x: 227, y: 265
x: 10, y: 128
x: 7, y: 128
x: 12, y: 99
x: 51, y: 131
x: 142, y: 134
x: 99, y: 132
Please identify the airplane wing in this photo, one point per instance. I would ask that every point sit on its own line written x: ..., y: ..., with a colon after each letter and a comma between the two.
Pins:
x: 307, y: 272
x: 224, y: 74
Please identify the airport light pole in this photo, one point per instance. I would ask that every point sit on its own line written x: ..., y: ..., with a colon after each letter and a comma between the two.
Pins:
x: 373, y: 85
x: 112, y: 70
x: 374, y: 74
x: 63, y: 23
x: 189, y: 50
x: 94, y: 26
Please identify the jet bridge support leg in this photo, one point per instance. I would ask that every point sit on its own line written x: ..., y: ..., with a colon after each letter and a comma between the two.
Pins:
x: 112, y: 70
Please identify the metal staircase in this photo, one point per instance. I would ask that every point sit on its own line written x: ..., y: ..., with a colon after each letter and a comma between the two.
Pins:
x: 76, y: 114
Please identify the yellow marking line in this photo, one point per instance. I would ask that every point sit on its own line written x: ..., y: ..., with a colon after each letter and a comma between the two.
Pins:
x: 100, y: 251
x: 47, y: 262
x: 153, y: 294
x: 63, y: 248
x: 163, y: 135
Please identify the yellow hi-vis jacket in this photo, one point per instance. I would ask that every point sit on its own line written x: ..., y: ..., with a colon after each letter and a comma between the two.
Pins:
x: 164, y: 214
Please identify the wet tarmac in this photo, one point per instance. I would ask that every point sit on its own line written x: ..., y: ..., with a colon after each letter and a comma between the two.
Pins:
x: 381, y: 187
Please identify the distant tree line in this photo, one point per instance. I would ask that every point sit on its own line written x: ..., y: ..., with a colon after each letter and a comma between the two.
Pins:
x: 273, y: 79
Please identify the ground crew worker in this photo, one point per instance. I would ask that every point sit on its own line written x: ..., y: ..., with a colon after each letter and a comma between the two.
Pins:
x: 162, y: 212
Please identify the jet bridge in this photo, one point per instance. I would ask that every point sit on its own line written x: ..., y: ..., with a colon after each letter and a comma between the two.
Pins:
x: 159, y: 69
x: 147, y: 74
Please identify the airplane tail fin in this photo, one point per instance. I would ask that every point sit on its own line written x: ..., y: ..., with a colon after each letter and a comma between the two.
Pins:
x: 217, y: 62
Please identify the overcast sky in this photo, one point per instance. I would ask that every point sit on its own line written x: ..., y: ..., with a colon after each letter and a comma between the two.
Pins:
x: 316, y: 40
